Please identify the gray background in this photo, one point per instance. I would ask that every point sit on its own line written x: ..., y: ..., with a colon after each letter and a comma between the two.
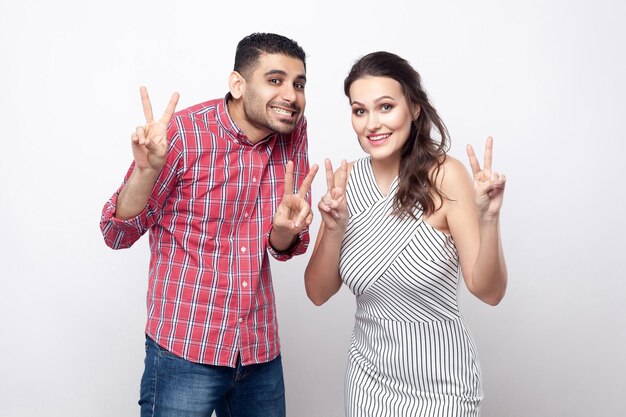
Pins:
x: 546, y: 79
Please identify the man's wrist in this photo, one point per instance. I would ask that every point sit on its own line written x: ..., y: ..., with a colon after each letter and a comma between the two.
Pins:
x: 282, y: 241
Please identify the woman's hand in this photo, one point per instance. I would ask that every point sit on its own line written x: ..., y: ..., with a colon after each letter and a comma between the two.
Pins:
x: 333, y: 206
x: 488, y: 185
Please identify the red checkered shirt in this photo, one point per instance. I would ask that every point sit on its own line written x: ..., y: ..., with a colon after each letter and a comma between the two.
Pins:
x: 210, y: 292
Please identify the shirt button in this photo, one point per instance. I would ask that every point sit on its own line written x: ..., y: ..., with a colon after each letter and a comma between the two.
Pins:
x: 253, y: 179
x: 245, y: 214
x: 243, y: 249
x: 240, y: 320
x: 244, y: 284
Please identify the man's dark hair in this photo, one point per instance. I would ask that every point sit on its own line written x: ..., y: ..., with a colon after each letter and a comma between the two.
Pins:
x: 252, y: 46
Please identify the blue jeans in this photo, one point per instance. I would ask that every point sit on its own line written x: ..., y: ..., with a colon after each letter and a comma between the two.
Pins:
x: 174, y: 387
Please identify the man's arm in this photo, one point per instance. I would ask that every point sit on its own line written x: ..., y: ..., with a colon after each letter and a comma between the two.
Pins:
x: 123, y: 218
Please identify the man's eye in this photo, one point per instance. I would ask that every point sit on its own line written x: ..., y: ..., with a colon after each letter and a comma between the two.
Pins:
x: 299, y: 86
x: 274, y: 80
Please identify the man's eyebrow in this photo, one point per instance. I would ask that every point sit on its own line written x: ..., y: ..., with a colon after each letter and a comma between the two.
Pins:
x: 275, y: 71
x: 283, y: 73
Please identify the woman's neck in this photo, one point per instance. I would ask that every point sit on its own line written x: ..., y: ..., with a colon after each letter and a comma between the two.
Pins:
x: 385, y: 172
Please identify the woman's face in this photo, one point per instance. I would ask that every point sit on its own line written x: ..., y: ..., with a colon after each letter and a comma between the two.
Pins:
x: 381, y: 116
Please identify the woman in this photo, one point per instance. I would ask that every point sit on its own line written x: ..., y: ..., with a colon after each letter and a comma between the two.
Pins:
x: 396, y: 227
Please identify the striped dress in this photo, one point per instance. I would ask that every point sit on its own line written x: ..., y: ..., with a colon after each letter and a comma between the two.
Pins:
x: 410, y: 353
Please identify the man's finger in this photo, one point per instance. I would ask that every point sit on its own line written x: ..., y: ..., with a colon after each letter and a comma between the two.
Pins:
x: 305, y: 210
x: 308, y: 180
x: 288, y: 179
x: 170, y: 109
x: 145, y: 103
x: 141, y: 135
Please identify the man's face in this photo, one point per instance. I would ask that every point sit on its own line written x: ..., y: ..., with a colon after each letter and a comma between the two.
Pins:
x: 273, y: 96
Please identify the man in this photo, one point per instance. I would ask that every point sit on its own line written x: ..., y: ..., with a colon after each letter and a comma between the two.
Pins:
x: 214, y: 186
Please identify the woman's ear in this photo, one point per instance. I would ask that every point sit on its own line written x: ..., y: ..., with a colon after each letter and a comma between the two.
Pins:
x: 416, y: 111
x: 236, y: 84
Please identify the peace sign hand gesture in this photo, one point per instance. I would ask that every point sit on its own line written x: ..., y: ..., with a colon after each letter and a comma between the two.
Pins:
x: 333, y: 206
x: 294, y: 212
x: 488, y: 184
x: 149, y: 142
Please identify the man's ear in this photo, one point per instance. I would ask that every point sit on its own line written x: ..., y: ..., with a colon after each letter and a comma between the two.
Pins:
x: 236, y: 84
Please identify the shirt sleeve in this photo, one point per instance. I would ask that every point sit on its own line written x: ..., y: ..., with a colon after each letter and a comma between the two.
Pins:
x: 300, y: 158
x: 122, y: 234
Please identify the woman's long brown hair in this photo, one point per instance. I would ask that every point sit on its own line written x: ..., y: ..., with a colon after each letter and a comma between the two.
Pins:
x: 421, y: 153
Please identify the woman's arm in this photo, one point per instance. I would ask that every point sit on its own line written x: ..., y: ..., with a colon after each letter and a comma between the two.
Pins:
x: 321, y: 277
x: 473, y: 217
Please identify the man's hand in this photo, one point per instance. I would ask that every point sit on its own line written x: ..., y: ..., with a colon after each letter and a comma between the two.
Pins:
x: 149, y: 142
x: 294, y: 212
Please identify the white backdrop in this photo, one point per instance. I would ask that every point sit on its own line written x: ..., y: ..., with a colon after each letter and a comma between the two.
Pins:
x: 546, y: 79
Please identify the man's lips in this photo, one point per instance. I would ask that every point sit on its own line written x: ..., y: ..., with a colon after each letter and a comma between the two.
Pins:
x: 284, y: 112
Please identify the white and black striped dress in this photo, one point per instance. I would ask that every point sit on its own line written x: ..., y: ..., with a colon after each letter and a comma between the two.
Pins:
x: 410, y: 353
